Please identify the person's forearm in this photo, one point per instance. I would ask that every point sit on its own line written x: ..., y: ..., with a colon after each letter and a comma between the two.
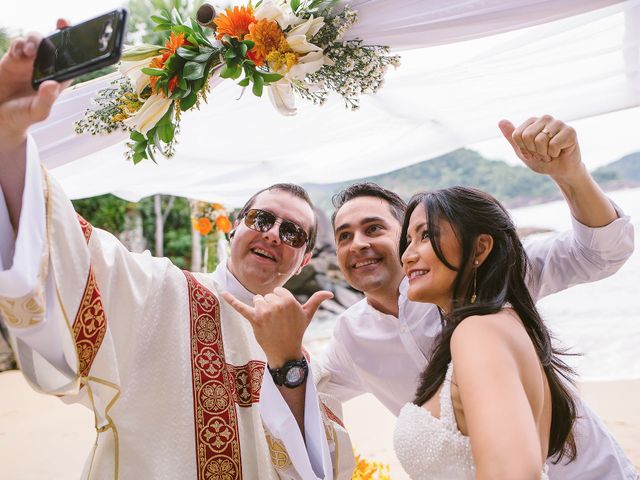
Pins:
x: 13, y: 164
x: 295, y: 398
x: 587, y: 202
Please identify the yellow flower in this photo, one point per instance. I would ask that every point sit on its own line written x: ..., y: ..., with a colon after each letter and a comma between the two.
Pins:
x: 366, y: 470
x: 270, y: 45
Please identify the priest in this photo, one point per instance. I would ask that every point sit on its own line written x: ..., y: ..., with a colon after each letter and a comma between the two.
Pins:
x: 188, y: 375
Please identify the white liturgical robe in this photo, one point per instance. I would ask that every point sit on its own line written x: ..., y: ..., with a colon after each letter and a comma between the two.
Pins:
x: 384, y: 355
x: 173, y: 374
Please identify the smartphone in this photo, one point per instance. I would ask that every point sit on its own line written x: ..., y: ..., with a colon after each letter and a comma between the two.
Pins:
x: 81, y: 48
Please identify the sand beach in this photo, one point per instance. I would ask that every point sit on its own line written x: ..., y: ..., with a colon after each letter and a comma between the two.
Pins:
x: 41, y: 437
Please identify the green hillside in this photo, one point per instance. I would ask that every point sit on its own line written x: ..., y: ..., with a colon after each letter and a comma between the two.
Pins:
x: 513, y: 185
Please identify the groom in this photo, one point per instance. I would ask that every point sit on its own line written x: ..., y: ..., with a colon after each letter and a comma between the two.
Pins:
x: 381, y: 344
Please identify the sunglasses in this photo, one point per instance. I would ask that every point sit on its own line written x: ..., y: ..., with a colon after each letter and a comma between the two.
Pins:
x: 262, y: 221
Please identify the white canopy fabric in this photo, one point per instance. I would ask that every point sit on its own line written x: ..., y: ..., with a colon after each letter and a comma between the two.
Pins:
x: 583, y: 63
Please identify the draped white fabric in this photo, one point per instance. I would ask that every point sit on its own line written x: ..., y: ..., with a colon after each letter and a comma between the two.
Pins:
x: 441, y: 98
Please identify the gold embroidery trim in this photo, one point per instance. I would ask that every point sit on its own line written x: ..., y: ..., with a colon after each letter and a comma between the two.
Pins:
x: 279, y: 456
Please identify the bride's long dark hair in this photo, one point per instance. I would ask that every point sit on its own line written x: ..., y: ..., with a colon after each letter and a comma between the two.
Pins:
x: 500, y: 281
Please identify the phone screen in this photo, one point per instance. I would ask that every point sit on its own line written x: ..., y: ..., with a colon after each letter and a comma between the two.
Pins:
x: 77, y: 47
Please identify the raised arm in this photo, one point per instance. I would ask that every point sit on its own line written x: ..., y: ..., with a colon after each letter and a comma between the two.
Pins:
x: 550, y: 147
x: 20, y: 107
x: 601, y: 240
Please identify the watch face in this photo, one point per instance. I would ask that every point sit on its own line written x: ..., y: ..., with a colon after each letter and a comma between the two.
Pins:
x: 295, y: 375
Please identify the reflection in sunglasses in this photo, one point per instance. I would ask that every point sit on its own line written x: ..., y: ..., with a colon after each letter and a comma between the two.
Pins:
x: 290, y: 233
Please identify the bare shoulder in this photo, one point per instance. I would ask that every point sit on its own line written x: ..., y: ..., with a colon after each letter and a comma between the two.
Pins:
x: 478, y: 334
x: 493, y: 324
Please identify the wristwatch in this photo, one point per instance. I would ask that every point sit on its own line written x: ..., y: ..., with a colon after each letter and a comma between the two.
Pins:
x: 292, y: 374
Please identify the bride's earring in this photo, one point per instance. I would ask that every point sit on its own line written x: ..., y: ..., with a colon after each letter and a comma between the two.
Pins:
x: 474, y: 296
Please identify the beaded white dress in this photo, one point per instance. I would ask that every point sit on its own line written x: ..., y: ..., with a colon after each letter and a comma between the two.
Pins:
x: 433, y: 448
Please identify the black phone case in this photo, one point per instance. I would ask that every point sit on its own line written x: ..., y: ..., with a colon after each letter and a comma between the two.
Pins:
x: 114, y: 57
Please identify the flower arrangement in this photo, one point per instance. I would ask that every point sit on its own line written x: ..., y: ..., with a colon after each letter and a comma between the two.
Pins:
x: 211, y: 220
x: 288, y: 47
x: 367, y: 470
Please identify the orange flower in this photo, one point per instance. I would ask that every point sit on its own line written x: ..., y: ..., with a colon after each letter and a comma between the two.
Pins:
x: 156, y: 62
x: 217, y: 206
x: 172, y: 83
x: 204, y: 226
x: 268, y: 37
x: 173, y: 44
x: 234, y: 23
x: 223, y: 224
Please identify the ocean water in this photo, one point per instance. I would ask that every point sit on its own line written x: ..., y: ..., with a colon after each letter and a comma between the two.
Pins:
x: 600, y: 320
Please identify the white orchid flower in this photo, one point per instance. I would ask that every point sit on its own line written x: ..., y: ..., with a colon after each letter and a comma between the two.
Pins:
x: 309, y: 28
x: 309, y: 63
x: 281, y: 96
x: 133, y: 70
x: 149, y: 114
x: 271, y: 10
x: 299, y: 44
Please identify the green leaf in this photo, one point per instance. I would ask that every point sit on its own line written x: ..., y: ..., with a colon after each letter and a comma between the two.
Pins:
x: 151, y: 156
x: 153, y: 72
x: 258, y: 84
x: 196, y: 27
x: 136, y: 136
x: 173, y: 64
x: 271, y: 77
x: 244, y: 82
x: 140, y: 146
x: 187, y: 53
x: 203, y: 57
x: 163, y: 27
x: 295, y: 4
x: 243, y: 49
x: 182, y: 83
x: 250, y: 44
x: 230, y: 53
x: 230, y: 71
x: 166, y: 132
x: 180, y: 93
x: 138, y: 157
x: 189, y: 101
x: 193, y: 70
x: 175, y: 17
x: 158, y: 19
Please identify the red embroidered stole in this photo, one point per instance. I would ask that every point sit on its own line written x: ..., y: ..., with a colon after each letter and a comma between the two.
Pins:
x: 90, y: 323
x: 217, y: 388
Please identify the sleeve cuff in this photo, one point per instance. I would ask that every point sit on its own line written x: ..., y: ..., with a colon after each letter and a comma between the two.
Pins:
x: 309, y: 461
x: 602, y: 238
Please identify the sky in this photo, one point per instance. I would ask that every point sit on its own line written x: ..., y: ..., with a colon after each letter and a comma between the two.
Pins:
x: 603, y: 139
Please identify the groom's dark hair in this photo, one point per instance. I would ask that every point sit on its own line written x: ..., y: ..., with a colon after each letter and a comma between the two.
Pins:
x: 369, y: 189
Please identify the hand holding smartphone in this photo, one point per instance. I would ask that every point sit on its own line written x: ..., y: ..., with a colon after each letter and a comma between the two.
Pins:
x: 80, y: 49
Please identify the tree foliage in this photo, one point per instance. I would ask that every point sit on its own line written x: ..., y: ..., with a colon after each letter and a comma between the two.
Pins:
x: 108, y: 213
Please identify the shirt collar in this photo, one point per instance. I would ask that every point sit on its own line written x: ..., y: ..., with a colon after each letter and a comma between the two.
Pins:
x: 223, y: 276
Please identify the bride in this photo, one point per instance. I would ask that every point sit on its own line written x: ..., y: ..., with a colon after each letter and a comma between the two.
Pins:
x: 493, y: 401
